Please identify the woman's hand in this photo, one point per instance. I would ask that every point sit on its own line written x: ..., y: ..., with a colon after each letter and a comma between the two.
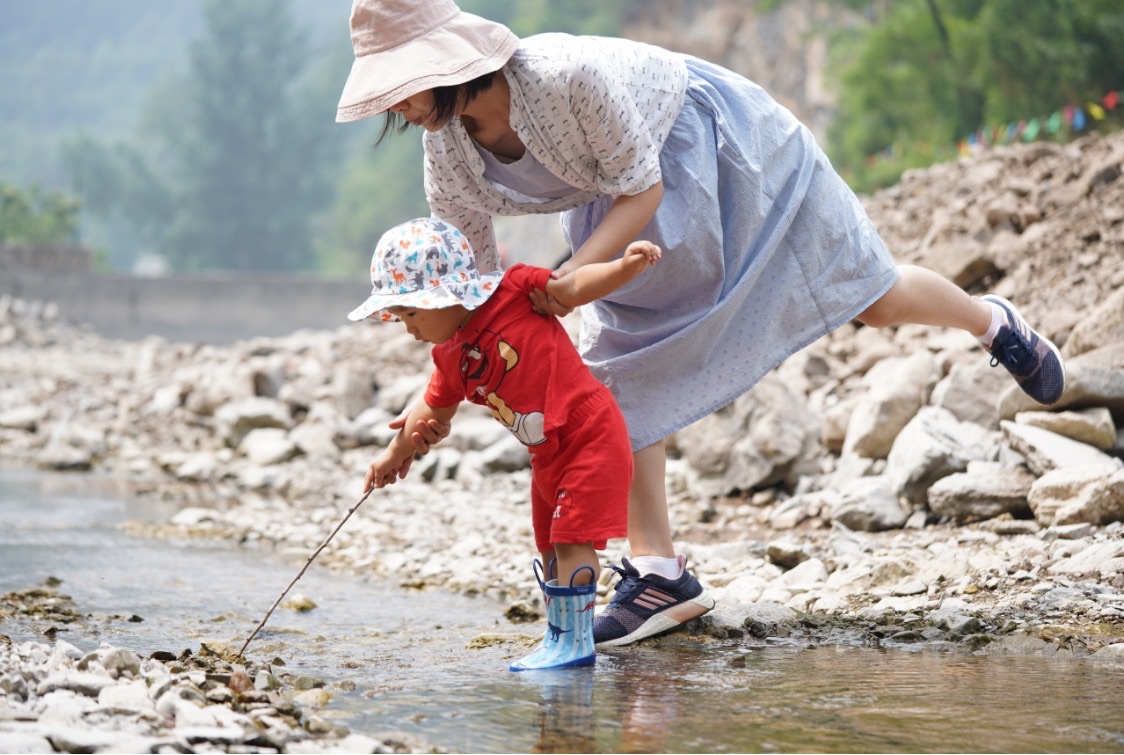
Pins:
x: 545, y: 304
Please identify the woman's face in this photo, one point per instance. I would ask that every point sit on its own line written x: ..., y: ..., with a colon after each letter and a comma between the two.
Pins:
x: 418, y: 110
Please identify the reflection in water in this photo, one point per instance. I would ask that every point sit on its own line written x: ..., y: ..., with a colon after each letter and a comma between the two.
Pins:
x: 396, y: 660
x: 566, y: 712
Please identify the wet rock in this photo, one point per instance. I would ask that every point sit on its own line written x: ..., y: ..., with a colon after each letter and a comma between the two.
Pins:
x: 62, y: 456
x: 786, y: 553
x: 299, y: 603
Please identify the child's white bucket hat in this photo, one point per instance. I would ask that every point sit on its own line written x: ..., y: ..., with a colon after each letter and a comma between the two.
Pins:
x: 425, y: 264
x: 403, y: 47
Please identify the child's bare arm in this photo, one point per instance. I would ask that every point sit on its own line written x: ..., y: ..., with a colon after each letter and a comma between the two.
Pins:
x: 393, y: 464
x: 597, y: 279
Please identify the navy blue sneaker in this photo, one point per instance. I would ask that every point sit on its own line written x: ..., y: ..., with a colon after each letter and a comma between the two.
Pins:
x: 1033, y: 360
x: 649, y: 605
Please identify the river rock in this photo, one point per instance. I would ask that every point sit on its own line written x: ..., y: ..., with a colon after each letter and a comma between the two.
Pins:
x: 1103, y: 325
x: 1087, y: 384
x: 1091, y: 426
x: 897, y: 389
x: 984, y: 491
x: 1089, y: 493
x: 869, y: 504
x: 1046, y: 451
x: 750, y: 443
x: 266, y: 446
x: 235, y: 420
x: 968, y: 392
x: 933, y: 445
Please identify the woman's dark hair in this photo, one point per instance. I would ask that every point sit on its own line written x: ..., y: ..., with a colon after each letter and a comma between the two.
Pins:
x: 446, y: 100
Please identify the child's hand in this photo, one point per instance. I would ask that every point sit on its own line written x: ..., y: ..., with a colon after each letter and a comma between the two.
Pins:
x: 645, y: 249
x: 426, y: 435
x: 386, y: 470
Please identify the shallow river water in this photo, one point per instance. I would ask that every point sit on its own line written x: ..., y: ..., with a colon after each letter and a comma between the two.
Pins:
x: 396, y: 659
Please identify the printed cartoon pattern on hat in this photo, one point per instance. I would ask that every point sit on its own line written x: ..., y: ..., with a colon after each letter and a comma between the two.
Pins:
x: 424, y: 263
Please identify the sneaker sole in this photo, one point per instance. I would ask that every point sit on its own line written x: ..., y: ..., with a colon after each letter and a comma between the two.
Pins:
x: 665, y: 621
x: 1057, y: 354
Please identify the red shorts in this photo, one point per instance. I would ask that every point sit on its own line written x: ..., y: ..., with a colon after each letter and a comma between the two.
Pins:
x: 579, y: 487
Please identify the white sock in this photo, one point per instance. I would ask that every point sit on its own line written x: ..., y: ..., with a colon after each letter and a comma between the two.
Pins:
x: 668, y: 568
x: 998, y: 320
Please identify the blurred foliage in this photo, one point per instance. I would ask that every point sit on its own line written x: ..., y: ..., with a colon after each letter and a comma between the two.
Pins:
x: 233, y: 157
x: 36, y: 216
x: 203, y: 129
x: 927, y: 73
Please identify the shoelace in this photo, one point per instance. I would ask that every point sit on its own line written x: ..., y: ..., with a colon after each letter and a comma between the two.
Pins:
x: 1014, y: 353
x: 626, y: 585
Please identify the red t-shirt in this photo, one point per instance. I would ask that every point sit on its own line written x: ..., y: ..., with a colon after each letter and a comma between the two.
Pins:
x: 518, y: 363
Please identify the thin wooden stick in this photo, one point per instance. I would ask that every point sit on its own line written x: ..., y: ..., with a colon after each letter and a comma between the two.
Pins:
x: 302, y: 571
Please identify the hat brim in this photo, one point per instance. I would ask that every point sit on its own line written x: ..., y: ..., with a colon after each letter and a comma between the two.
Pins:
x: 458, y: 51
x: 473, y: 295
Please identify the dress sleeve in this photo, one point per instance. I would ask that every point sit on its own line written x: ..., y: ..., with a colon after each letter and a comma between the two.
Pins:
x: 440, y: 189
x: 628, y: 161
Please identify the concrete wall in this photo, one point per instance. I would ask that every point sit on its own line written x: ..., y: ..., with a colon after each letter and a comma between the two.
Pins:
x: 211, y: 309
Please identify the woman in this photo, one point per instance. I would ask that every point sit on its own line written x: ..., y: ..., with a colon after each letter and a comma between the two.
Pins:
x: 765, y: 248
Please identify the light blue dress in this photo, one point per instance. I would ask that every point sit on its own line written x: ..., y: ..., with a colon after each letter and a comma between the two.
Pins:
x: 766, y: 250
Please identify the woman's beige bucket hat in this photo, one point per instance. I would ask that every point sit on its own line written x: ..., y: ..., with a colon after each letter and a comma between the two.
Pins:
x: 403, y: 47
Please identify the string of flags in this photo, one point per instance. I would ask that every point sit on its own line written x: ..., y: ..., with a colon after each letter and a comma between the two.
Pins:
x: 1073, y: 117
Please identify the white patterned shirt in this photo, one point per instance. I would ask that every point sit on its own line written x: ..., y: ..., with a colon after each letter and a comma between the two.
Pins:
x: 594, y: 111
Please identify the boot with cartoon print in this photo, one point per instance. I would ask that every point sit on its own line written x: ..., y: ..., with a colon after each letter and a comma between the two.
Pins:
x: 568, y: 640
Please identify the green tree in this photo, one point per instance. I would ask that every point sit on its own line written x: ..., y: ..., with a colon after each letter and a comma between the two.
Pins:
x: 927, y: 73
x: 1034, y: 55
x: 245, y: 149
x: 36, y: 216
x: 132, y: 204
x: 230, y: 164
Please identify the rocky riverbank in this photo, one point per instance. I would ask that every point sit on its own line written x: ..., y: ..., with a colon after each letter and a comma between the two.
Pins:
x: 883, y: 487
x: 55, y: 697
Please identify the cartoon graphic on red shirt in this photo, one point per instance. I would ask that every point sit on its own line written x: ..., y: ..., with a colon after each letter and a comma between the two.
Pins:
x: 484, y: 364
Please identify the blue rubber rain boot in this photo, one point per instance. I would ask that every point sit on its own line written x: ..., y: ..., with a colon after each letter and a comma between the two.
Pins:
x: 569, y: 618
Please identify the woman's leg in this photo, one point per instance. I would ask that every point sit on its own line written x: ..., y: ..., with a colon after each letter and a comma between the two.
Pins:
x: 658, y: 593
x: 649, y: 529
x: 923, y: 297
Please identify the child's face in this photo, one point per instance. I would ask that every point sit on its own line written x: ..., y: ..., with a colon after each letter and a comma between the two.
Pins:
x: 431, y: 325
